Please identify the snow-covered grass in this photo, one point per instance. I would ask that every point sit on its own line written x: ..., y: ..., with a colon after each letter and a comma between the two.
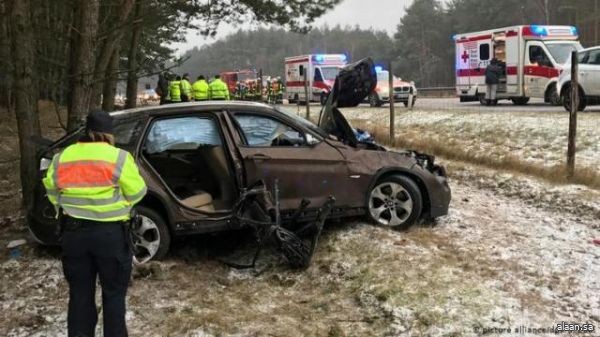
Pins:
x: 527, y: 142
x: 505, y: 256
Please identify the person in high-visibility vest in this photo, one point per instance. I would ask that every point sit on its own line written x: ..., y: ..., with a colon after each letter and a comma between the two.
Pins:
x: 186, y: 88
x: 200, y: 89
x: 175, y: 90
x: 93, y: 186
x: 218, y: 90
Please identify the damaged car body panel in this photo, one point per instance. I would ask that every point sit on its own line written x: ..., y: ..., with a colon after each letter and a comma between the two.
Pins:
x: 198, y: 159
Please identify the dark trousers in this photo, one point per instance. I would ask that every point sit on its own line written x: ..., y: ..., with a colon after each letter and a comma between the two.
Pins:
x: 91, y: 251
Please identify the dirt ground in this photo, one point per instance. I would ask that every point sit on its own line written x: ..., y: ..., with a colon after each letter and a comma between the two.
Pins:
x: 514, y: 252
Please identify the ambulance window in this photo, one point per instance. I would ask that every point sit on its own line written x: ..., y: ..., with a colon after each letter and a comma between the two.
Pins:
x: 538, y: 56
x: 484, y: 51
x: 318, y: 76
x: 301, y: 70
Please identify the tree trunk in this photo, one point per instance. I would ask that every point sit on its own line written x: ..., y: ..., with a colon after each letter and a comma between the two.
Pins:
x: 5, y: 64
x: 111, y: 42
x: 83, y: 62
x: 110, y: 85
x: 28, y: 123
x: 132, y: 78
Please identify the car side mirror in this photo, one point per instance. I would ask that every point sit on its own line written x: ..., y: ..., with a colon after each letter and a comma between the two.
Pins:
x: 310, y: 139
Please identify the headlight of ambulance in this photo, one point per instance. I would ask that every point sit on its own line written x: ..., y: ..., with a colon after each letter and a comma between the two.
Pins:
x: 45, y: 164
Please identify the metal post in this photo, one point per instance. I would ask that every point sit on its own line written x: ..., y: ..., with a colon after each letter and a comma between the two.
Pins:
x: 571, y: 148
x: 392, y: 111
x: 260, y: 85
x: 306, y: 100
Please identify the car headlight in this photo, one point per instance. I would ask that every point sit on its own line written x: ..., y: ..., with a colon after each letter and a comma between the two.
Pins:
x: 45, y: 164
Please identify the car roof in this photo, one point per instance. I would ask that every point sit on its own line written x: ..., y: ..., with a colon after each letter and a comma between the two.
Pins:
x: 193, y: 106
x: 589, y: 49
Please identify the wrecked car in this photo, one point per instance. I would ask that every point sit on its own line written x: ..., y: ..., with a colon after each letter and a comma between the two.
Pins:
x: 198, y: 158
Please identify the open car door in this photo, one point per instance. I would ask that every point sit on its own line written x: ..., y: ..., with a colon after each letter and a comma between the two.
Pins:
x: 352, y: 85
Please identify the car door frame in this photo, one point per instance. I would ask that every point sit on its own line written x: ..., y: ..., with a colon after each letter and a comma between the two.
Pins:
x: 242, y: 146
x: 181, y: 218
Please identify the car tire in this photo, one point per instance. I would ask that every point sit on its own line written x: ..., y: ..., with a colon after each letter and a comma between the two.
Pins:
x: 566, y: 99
x: 520, y: 100
x: 374, y: 101
x: 552, y: 96
x: 323, y: 98
x: 151, y: 237
x: 395, y: 201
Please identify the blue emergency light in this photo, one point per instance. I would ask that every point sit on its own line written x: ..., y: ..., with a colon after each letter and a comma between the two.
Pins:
x: 343, y: 58
x: 378, y: 69
x: 539, y: 30
x: 574, y: 31
x: 319, y: 58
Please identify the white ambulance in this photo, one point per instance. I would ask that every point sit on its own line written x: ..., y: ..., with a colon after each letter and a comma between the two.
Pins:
x: 532, y: 57
x: 321, y: 70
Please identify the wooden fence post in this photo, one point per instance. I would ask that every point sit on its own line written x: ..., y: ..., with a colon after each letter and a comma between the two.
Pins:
x: 392, y: 110
x: 571, y: 148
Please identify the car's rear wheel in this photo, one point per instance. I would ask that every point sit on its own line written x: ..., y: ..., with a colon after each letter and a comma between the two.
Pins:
x: 151, y: 236
x: 395, y: 201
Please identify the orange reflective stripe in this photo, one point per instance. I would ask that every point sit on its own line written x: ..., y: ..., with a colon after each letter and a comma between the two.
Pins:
x: 85, y: 173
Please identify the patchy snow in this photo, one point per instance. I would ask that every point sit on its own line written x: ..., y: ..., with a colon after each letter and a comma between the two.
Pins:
x: 505, y: 256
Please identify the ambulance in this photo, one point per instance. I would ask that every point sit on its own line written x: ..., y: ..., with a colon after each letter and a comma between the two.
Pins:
x: 320, y: 69
x: 532, y: 57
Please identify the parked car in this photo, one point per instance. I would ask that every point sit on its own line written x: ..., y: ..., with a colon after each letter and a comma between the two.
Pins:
x: 402, y: 90
x: 198, y: 157
x: 589, y: 79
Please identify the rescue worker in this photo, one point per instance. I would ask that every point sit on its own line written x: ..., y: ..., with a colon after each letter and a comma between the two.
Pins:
x: 218, y: 90
x: 162, y: 88
x: 186, y: 88
x: 175, y: 90
x: 93, y: 186
x: 493, y: 72
x: 200, y: 89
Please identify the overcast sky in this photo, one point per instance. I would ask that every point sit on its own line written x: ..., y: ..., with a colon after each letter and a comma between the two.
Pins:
x: 378, y: 14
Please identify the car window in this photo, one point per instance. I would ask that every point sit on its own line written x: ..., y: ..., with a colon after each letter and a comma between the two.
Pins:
x: 265, y: 131
x: 594, y: 57
x: 318, y: 76
x: 125, y: 131
x: 583, y: 57
x: 182, y: 133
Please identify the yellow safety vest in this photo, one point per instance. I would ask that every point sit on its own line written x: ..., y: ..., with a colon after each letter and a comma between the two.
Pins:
x: 200, y: 90
x: 217, y: 89
x: 175, y: 91
x: 94, y: 181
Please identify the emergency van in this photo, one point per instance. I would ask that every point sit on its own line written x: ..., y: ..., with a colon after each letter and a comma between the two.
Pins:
x: 531, y: 56
x: 321, y: 70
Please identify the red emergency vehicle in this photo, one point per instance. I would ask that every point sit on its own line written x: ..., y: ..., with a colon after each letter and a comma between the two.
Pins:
x: 532, y: 57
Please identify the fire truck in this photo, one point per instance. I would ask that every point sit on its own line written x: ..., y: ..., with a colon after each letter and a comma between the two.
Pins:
x: 532, y: 57
x: 320, y: 69
x: 242, y: 84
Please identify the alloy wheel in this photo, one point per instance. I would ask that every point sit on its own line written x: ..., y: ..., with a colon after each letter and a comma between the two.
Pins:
x: 390, y: 204
x: 146, y: 240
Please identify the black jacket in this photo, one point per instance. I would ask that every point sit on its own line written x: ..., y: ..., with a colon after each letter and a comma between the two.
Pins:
x: 492, y: 73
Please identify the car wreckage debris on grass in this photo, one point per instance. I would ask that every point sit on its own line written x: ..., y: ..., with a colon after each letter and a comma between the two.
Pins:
x: 255, y: 209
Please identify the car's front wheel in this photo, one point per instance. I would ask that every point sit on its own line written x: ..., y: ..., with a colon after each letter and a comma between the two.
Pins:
x: 395, y: 201
x: 151, y: 236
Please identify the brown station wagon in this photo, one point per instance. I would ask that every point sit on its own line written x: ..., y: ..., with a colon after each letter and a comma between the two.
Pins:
x: 197, y: 158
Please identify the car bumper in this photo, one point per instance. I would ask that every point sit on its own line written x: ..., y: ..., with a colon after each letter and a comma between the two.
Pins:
x: 400, y: 97
x: 440, y: 200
